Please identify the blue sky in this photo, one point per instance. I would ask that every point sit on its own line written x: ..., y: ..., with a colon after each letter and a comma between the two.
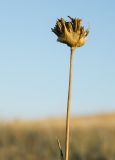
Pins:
x: 34, y: 68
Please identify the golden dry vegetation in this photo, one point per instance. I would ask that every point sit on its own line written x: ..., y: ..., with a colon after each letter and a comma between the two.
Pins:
x: 91, y: 138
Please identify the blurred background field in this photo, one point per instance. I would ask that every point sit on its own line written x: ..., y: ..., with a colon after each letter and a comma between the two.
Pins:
x: 91, y: 138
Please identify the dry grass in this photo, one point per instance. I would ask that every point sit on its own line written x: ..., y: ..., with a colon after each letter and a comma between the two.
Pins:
x: 92, y: 138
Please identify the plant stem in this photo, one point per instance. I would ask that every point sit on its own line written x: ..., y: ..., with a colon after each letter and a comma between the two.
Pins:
x: 68, y: 107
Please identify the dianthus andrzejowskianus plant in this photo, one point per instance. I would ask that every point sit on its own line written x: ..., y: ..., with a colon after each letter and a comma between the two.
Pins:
x: 73, y: 34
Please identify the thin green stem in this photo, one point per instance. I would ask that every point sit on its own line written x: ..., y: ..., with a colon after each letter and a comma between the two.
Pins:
x: 68, y: 107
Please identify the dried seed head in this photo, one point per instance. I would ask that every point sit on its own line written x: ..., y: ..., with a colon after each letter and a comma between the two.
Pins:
x: 71, y: 33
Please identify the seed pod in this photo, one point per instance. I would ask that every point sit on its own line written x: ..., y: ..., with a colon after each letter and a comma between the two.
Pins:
x: 71, y: 33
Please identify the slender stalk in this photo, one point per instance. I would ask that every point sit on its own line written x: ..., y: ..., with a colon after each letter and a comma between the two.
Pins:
x: 68, y: 107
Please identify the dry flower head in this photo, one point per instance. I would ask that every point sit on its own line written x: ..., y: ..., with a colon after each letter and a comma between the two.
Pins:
x: 71, y: 33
